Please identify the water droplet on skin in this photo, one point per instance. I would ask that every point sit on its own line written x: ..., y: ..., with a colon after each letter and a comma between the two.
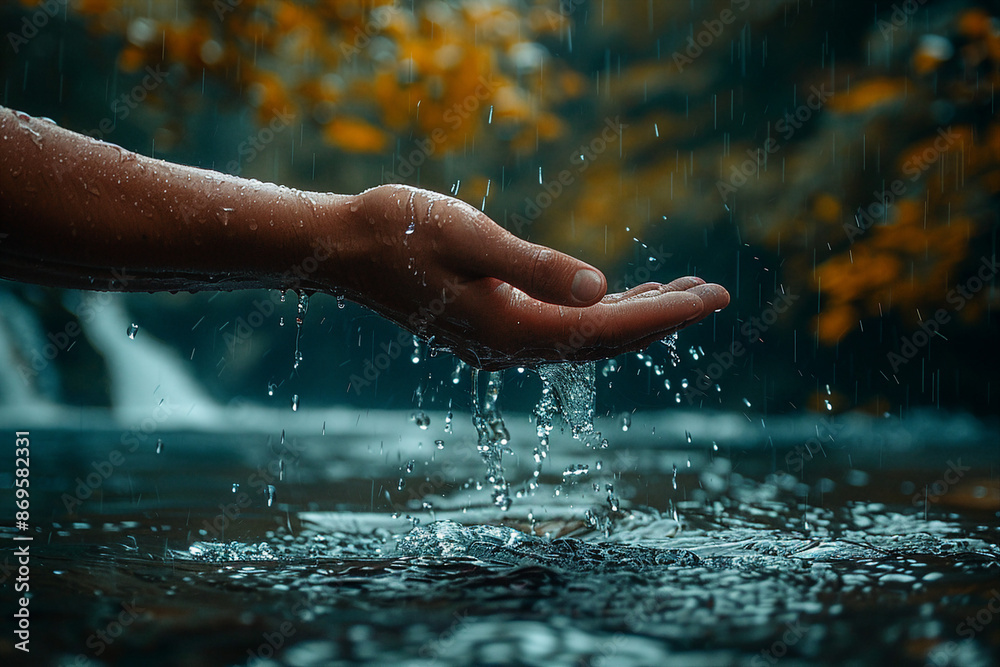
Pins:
x: 132, y: 330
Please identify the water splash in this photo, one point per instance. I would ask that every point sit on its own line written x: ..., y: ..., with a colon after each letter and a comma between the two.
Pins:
x: 671, y: 344
x: 568, y: 389
x: 132, y: 330
x: 493, y: 434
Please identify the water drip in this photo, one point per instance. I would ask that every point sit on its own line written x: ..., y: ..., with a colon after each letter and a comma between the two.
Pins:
x: 493, y: 434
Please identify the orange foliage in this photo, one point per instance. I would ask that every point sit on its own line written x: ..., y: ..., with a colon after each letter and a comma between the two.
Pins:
x: 867, y: 94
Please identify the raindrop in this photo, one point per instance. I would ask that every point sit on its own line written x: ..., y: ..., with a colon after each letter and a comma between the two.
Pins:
x: 409, y: 466
x: 340, y: 301
x: 439, y: 444
x: 132, y: 330
x: 401, y: 485
x: 626, y: 421
x: 576, y: 470
x: 236, y: 487
x: 159, y: 445
x: 671, y: 343
x: 271, y: 492
x: 675, y: 477
x: 421, y: 419
x: 746, y: 402
x: 295, y: 402
x: 271, y: 387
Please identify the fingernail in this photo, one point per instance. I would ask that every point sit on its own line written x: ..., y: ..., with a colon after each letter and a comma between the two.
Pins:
x: 586, y: 285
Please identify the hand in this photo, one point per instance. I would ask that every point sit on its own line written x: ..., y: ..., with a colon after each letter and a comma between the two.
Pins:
x: 443, y: 270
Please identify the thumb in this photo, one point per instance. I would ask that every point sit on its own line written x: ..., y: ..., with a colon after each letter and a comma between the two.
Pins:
x: 543, y: 273
x: 482, y: 247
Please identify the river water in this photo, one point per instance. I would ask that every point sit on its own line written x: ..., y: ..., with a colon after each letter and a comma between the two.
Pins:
x: 177, y: 557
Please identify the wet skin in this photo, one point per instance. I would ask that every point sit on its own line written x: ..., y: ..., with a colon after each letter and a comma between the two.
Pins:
x: 81, y: 213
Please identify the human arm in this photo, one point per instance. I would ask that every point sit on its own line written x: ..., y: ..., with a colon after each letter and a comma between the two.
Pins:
x: 86, y: 214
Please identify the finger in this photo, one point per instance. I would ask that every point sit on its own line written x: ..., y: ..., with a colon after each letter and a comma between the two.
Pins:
x: 714, y: 297
x: 545, y: 274
x: 638, y: 289
x: 687, y: 282
x: 602, y: 330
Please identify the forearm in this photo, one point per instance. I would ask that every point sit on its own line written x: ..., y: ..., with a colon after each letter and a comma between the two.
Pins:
x: 86, y: 214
